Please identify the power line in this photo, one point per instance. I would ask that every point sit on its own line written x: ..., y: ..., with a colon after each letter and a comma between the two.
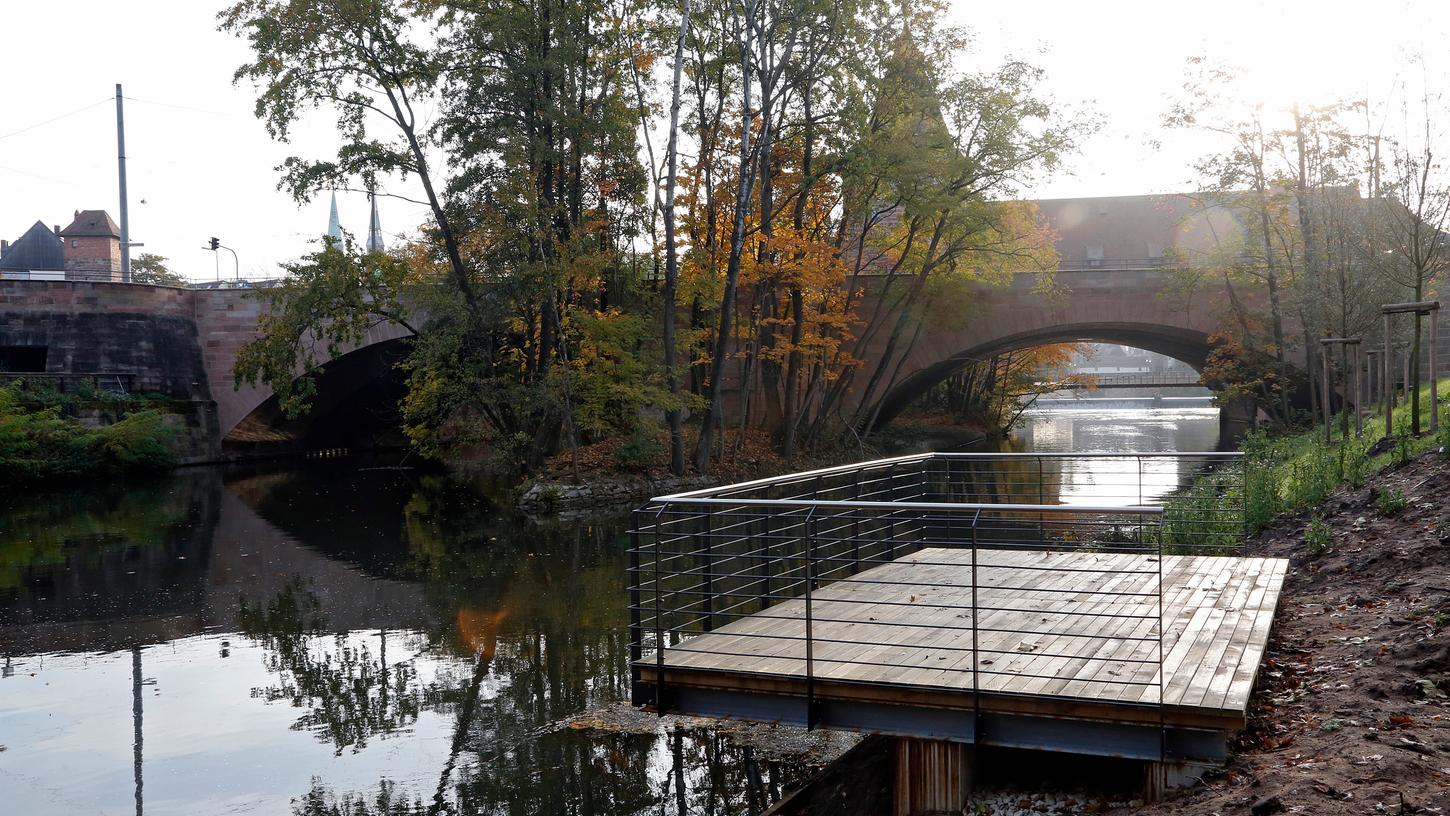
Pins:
x: 58, y: 118
x: 189, y: 108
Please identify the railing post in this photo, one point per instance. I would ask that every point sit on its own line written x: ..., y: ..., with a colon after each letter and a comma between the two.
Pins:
x: 659, y: 623
x: 810, y: 644
x: 856, y: 526
x: 976, y: 655
x: 635, y: 617
x: 1041, y: 500
x: 1162, y: 724
x: 891, y: 525
x: 765, y: 563
x: 707, y: 574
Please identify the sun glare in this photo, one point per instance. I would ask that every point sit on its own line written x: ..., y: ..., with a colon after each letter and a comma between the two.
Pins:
x: 1321, y: 61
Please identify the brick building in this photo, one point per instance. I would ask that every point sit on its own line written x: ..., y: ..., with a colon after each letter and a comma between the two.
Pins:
x: 88, y: 249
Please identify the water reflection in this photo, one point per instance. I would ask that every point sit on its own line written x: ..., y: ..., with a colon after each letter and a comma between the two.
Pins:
x: 1120, y: 430
x: 332, y: 642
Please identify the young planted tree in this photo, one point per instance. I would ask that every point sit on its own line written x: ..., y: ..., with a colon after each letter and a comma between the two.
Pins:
x: 1410, y: 222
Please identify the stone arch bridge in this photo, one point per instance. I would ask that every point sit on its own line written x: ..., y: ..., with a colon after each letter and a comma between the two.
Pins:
x: 184, y: 342
x: 1128, y: 306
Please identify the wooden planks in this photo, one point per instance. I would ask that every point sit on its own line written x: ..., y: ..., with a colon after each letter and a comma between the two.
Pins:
x: 1067, y: 625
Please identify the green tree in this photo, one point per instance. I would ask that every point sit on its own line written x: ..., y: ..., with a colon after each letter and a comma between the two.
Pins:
x: 328, y: 301
x: 538, y: 197
x: 150, y: 268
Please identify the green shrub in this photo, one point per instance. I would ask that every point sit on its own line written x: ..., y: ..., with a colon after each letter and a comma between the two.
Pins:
x: 140, y: 441
x: 1444, y: 439
x: 1353, y: 462
x: 1391, y: 501
x: 639, y: 451
x: 1317, y: 536
x: 38, y: 444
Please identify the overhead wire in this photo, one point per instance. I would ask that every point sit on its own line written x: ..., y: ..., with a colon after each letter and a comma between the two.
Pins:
x: 189, y: 108
x: 29, y: 128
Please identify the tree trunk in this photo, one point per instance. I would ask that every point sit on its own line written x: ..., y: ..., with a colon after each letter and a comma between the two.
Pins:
x: 672, y: 268
x: 744, y: 188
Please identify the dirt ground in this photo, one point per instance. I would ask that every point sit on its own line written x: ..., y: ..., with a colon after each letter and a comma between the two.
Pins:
x: 1351, y: 714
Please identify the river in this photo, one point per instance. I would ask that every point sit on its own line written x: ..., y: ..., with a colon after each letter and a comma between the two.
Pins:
x: 330, y: 639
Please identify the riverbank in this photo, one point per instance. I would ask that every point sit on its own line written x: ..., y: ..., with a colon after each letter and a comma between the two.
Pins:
x: 615, y: 474
x: 1289, y: 473
x: 1352, y: 710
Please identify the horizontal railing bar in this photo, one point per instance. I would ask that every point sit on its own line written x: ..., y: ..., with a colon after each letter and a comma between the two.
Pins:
x: 1068, y: 633
x: 872, y: 622
x: 948, y: 507
x: 924, y: 605
x: 960, y: 689
x: 809, y: 474
x: 850, y: 662
x: 755, y: 577
x: 796, y: 478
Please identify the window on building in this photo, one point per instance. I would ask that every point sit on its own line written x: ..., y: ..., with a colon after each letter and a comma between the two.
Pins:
x: 26, y: 359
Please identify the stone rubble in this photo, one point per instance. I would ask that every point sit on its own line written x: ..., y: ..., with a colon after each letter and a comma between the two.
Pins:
x: 1033, y: 803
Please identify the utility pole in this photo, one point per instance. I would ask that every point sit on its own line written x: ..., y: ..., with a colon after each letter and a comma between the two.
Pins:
x: 121, y: 169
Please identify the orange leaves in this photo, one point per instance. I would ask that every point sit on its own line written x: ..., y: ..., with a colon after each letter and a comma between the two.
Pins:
x: 644, y: 61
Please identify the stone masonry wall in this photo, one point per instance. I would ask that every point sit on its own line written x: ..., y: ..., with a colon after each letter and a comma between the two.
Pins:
x: 146, y: 331
x: 225, y: 319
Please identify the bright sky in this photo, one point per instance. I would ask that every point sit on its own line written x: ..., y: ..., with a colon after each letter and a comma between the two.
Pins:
x: 200, y: 165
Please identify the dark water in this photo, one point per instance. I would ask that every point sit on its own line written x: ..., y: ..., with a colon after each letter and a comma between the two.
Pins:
x: 334, y: 640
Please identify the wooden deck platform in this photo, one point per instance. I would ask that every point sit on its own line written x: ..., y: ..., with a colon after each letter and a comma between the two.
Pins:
x: 1061, y: 634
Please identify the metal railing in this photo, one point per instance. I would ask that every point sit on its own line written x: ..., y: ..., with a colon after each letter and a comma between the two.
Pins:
x: 942, y: 568
x: 1134, y: 380
x: 66, y: 382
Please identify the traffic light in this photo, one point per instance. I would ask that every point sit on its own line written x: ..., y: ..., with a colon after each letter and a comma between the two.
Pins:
x: 214, y: 244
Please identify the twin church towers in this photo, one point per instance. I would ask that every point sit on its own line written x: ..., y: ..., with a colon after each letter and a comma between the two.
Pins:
x: 375, y: 228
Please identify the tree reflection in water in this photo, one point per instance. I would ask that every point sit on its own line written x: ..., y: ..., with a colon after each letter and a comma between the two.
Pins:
x: 349, y: 692
x: 525, y: 628
x: 589, y: 773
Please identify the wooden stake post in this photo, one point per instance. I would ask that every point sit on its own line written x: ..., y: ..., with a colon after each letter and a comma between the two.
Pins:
x: 1351, y: 383
x: 1419, y: 309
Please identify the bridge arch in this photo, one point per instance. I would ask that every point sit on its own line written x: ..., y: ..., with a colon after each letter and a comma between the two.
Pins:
x: 1181, y: 343
x: 357, y: 396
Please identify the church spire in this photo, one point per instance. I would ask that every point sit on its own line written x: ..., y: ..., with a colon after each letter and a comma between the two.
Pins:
x: 334, y: 226
x: 375, y: 227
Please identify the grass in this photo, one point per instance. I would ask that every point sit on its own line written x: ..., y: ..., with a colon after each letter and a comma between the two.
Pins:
x: 1391, y: 501
x: 1289, y: 473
